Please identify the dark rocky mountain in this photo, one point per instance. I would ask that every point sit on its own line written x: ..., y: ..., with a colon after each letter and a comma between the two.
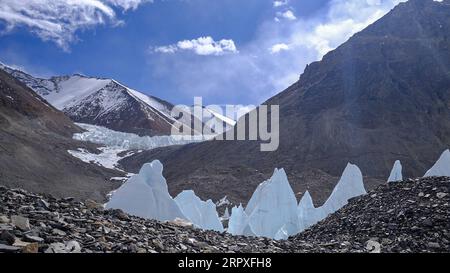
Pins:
x: 404, y: 217
x: 103, y: 102
x: 382, y: 96
x: 34, y: 139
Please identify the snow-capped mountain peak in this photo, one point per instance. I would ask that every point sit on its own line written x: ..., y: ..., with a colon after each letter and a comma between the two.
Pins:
x: 101, y: 101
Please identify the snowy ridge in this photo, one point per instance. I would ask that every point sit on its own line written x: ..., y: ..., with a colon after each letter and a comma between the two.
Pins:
x: 101, y: 101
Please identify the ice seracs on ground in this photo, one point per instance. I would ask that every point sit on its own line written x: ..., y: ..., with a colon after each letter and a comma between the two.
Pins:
x: 146, y: 195
x: 202, y: 214
x: 273, y: 211
x: 441, y: 167
x: 273, y: 206
x: 396, y: 173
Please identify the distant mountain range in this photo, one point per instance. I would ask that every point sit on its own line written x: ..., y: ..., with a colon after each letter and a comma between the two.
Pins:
x: 106, y: 102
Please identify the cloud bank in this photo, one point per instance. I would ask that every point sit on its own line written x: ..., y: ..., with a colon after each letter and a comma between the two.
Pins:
x: 59, y: 20
x: 274, y: 59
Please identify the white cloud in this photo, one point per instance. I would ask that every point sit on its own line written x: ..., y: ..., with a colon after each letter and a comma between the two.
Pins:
x: 277, y: 48
x: 256, y: 73
x: 280, y: 3
x: 201, y: 46
x: 288, y: 15
x: 59, y: 20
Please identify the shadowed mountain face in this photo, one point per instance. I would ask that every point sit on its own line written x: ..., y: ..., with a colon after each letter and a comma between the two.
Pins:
x: 34, y: 139
x: 383, y: 95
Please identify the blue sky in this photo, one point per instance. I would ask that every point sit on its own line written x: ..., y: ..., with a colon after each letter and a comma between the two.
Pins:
x: 227, y: 51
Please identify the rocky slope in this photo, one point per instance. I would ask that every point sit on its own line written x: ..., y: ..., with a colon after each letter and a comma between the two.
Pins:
x: 380, y: 97
x: 33, y: 223
x: 34, y: 139
x: 408, y: 216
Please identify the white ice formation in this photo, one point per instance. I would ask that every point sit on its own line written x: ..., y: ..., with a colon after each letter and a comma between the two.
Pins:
x: 202, y: 214
x: 396, y: 173
x: 441, y: 167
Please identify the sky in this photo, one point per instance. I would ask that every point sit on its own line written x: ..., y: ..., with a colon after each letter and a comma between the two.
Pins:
x: 226, y: 51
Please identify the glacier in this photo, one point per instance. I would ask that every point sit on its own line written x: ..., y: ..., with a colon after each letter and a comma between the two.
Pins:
x: 396, y: 173
x: 441, y: 167
x: 146, y: 195
x: 128, y: 141
x: 202, y: 214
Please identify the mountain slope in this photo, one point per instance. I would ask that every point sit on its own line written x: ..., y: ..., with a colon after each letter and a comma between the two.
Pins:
x: 103, y: 102
x: 382, y: 96
x: 34, y: 139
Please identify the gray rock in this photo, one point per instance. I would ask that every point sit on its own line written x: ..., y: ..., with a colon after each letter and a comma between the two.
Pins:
x: 56, y: 248
x: 4, y: 219
x: 21, y: 222
x: 73, y: 247
x: 7, y: 237
x: 7, y: 249
x: 441, y: 195
x: 58, y: 232
x: 30, y: 238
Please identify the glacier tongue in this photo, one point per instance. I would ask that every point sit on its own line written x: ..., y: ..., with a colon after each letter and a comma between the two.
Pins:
x: 201, y: 214
x: 273, y: 206
x: 146, y: 195
x: 441, y: 167
x: 128, y: 141
x: 396, y: 173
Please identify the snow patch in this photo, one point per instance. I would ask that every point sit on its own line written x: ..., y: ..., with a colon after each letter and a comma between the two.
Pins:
x: 108, y: 158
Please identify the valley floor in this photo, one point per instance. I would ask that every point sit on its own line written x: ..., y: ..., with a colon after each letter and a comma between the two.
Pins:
x: 408, y: 216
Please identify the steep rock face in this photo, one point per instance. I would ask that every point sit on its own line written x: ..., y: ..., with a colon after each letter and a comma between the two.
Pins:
x: 380, y: 97
x: 34, y: 139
